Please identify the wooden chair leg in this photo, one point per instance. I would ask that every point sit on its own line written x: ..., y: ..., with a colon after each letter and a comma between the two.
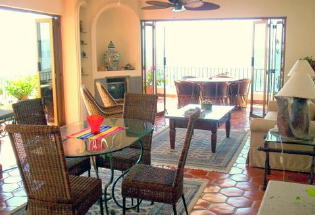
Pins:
x: 152, y: 202
x: 101, y: 206
x: 89, y: 173
x: 174, y: 209
x: 185, y: 205
x: 138, y: 205
x: 124, y: 205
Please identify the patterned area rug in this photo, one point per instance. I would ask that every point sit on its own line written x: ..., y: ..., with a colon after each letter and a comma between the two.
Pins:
x: 200, y: 155
x: 192, y: 189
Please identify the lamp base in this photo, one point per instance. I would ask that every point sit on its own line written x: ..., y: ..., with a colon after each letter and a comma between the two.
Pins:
x: 293, y: 118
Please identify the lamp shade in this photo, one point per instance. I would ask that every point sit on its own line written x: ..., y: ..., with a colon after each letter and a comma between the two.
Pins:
x: 302, y: 66
x: 300, y: 85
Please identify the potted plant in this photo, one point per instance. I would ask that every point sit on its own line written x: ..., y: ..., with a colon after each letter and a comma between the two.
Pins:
x: 22, y: 88
x: 310, y: 60
x: 149, y: 81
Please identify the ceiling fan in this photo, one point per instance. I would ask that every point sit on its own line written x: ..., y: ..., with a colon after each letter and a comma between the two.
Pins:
x: 181, y: 5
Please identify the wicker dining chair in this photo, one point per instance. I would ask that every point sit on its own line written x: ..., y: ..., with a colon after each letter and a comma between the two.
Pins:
x: 94, y: 108
x: 106, y: 97
x: 158, y: 184
x: 141, y: 107
x: 216, y: 92
x: 238, y: 92
x: 49, y: 188
x: 187, y: 93
x: 31, y: 112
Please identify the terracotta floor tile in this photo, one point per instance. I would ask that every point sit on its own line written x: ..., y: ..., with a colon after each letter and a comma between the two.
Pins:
x: 225, y: 183
x: 201, y: 204
x: 212, y: 189
x: 214, y: 197
x: 221, y: 208
x: 200, y: 212
x: 240, y: 202
x: 246, y: 211
x: 231, y: 191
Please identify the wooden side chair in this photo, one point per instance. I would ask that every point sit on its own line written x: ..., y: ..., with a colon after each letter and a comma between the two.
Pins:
x: 216, y: 92
x: 137, y: 106
x: 49, y: 188
x: 158, y: 184
x: 187, y: 93
x: 31, y: 112
x: 106, y: 98
x: 94, y: 108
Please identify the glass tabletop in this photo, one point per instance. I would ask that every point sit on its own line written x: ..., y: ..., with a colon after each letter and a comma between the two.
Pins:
x: 134, y: 131
x: 217, y: 112
x: 274, y: 136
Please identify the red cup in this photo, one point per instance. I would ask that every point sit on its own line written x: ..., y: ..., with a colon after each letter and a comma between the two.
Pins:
x: 95, y: 122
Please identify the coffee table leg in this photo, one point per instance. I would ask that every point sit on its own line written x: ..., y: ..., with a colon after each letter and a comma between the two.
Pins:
x: 213, y: 140
x: 228, y: 126
x: 172, y: 133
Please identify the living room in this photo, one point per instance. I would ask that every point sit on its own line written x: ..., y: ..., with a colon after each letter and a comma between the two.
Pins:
x: 240, y: 189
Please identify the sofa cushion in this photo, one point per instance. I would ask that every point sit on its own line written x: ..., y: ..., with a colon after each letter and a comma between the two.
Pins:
x: 271, y: 115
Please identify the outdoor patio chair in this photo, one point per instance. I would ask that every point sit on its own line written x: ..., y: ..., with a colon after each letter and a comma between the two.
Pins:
x: 238, y: 92
x: 106, y: 98
x: 188, y: 77
x: 49, y: 188
x: 94, y: 108
x: 31, y: 112
x: 187, y: 93
x: 137, y: 106
x: 158, y: 184
x: 216, y: 92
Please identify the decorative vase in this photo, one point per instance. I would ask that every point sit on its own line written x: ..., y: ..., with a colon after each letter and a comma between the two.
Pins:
x: 111, y: 57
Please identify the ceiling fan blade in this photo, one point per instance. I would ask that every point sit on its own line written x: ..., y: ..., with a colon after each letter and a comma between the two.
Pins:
x: 205, y: 6
x: 159, y: 4
x: 152, y: 7
x: 193, y: 4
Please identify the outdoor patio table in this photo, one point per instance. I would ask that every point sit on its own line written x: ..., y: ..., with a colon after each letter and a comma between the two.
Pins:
x: 134, y: 130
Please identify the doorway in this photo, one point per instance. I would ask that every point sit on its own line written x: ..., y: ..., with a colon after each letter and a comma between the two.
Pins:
x: 241, y: 48
x: 30, y: 50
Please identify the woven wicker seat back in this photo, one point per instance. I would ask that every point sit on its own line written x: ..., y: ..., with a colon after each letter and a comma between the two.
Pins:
x: 107, y: 99
x: 30, y: 112
x: 187, y: 93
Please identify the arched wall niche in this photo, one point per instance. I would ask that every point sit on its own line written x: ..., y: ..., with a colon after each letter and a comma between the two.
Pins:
x: 122, y: 26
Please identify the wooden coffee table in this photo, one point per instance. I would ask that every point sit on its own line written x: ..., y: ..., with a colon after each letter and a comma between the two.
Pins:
x: 209, y: 120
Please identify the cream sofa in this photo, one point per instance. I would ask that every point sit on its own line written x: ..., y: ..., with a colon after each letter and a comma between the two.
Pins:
x: 259, y: 127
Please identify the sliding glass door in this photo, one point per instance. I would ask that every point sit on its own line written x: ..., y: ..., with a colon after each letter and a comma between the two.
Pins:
x: 48, y: 77
x: 267, y: 63
x: 154, y: 62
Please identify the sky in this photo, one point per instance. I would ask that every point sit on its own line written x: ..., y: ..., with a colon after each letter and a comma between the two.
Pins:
x: 214, y: 43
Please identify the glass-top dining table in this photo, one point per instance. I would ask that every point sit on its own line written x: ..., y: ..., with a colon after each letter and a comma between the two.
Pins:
x: 133, y: 131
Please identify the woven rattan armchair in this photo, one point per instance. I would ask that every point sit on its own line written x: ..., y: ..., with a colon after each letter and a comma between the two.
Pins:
x: 158, y: 184
x: 31, y: 112
x: 137, y: 106
x: 107, y: 99
x: 49, y: 188
x: 94, y: 108
x: 187, y: 93
x: 216, y: 92
x: 238, y: 92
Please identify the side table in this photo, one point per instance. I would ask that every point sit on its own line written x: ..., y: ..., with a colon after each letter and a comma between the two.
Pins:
x: 275, y: 138
x: 288, y: 198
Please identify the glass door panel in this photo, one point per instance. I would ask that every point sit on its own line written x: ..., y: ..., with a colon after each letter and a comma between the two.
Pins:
x: 46, y: 70
x: 259, y: 63
x: 153, y: 62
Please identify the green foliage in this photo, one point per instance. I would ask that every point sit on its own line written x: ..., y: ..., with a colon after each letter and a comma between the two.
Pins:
x: 21, y: 88
x: 309, y: 59
x: 159, y: 78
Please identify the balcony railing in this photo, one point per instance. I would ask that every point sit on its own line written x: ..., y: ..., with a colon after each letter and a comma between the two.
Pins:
x: 174, y: 73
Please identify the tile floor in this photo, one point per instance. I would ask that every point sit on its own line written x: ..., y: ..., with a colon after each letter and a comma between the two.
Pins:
x: 238, y: 192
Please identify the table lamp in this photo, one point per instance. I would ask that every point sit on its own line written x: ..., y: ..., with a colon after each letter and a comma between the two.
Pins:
x: 293, y: 118
x: 302, y: 66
